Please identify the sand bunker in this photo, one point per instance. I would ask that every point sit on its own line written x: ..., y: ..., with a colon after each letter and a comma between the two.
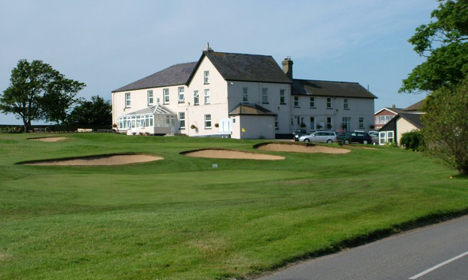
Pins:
x: 299, y: 148
x: 98, y: 160
x: 49, y: 139
x: 230, y: 154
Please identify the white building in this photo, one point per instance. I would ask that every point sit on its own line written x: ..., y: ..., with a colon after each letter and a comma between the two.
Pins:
x: 238, y: 96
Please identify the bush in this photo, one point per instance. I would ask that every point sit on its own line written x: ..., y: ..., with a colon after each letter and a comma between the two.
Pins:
x: 11, y: 129
x: 412, y: 140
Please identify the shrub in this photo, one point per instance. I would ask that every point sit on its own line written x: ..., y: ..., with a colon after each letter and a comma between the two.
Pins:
x: 412, y: 140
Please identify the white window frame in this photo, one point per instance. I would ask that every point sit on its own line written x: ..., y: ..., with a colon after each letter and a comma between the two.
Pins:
x: 182, y: 120
x: 347, y: 121
x: 296, y: 101
x: 206, y: 77
x: 196, y: 97
x: 165, y: 96
x: 329, y: 103
x: 208, y: 121
x: 181, y: 94
x: 128, y: 100
x: 207, y: 97
x: 390, y: 137
x: 245, y: 94
x: 312, y: 102
x: 382, y: 137
x: 150, y: 96
x: 361, y: 122
x: 264, y: 95
x: 282, y: 96
x: 346, y: 104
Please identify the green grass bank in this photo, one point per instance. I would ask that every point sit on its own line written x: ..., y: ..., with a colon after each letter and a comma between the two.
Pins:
x: 180, y: 218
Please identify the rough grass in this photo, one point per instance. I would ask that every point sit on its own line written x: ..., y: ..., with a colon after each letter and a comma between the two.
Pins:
x: 179, y: 218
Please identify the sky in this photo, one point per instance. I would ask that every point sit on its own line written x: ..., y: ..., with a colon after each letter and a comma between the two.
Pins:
x: 109, y: 44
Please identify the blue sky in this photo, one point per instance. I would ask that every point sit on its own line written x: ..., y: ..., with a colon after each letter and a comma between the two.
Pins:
x: 108, y: 44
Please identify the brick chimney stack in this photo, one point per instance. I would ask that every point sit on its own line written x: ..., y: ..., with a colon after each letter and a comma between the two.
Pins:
x: 287, y: 67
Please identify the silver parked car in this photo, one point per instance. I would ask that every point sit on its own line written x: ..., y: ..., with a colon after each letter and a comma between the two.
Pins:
x: 319, y: 136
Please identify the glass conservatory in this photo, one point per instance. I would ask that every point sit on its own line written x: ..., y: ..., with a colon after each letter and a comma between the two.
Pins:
x: 152, y: 120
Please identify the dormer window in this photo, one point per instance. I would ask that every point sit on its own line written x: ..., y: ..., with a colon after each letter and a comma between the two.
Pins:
x: 206, y: 77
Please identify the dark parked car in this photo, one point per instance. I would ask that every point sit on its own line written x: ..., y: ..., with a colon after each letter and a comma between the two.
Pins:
x: 354, y: 137
x: 298, y: 133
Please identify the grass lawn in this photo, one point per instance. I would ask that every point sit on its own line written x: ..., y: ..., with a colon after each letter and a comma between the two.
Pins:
x: 180, y: 218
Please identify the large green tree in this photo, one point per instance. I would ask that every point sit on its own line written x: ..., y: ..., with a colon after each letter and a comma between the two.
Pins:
x: 446, y: 125
x: 444, y: 43
x: 97, y: 112
x: 38, y: 91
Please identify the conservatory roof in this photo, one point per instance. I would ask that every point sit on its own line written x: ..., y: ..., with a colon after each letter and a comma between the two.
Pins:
x: 153, y: 109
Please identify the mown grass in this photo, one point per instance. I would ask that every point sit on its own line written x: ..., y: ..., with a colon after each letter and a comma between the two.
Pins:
x: 180, y: 218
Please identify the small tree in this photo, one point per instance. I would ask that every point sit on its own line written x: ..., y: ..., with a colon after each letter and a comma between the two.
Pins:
x: 37, y: 91
x: 445, y: 129
x: 97, y: 112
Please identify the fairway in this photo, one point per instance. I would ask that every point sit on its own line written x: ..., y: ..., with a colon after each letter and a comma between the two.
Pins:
x: 184, y: 218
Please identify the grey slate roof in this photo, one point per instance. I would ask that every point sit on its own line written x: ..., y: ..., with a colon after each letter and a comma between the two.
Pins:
x: 416, y: 106
x: 396, y: 110
x: 178, y: 74
x: 329, y: 89
x: 247, y: 67
x: 414, y: 119
x: 251, y: 109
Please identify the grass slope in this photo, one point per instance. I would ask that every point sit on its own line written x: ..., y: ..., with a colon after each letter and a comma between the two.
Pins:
x: 182, y: 219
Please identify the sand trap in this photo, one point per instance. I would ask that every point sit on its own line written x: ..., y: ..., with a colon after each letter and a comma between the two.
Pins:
x: 98, y: 160
x: 299, y: 148
x: 230, y: 154
x: 49, y: 139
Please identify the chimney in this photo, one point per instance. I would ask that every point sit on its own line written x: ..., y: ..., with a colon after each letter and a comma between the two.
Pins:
x: 393, y: 106
x: 287, y: 67
x: 207, y: 48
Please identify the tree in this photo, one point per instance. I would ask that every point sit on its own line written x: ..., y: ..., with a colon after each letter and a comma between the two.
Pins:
x: 444, y: 43
x: 96, y: 112
x: 37, y: 91
x: 445, y: 129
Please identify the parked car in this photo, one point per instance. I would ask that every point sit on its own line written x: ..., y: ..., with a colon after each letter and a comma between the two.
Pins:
x: 298, y: 133
x: 354, y: 137
x: 319, y: 136
x: 374, y: 135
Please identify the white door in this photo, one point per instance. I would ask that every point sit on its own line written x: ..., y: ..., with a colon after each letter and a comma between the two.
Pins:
x: 225, y: 126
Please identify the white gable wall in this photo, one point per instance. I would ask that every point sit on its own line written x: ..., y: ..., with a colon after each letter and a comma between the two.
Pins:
x: 195, y: 114
x: 403, y: 126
